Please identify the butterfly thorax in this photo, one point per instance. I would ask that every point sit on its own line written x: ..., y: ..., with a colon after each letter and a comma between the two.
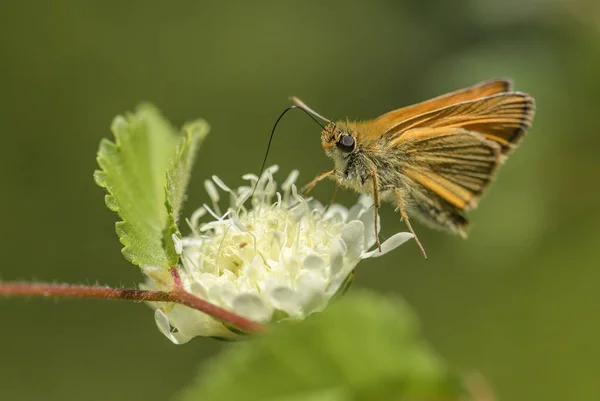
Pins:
x: 368, y: 155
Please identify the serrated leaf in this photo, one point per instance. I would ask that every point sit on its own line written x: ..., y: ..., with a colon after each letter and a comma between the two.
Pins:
x: 133, y: 170
x: 364, y: 347
x: 177, y: 179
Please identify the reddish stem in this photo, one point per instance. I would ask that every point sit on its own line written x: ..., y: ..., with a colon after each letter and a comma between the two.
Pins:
x: 176, y: 278
x: 178, y: 296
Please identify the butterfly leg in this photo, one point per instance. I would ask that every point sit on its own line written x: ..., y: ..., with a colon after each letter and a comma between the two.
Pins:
x: 407, y: 220
x: 335, y: 191
x: 310, y: 186
x: 376, y: 204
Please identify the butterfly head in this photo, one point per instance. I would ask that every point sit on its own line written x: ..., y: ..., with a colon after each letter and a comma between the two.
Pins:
x: 345, y: 144
x: 338, y: 140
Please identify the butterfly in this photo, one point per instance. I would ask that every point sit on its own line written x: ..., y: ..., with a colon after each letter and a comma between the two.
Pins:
x: 433, y: 159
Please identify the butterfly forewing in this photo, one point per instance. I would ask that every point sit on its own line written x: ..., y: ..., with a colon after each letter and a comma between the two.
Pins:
x: 502, y: 118
x: 478, y: 91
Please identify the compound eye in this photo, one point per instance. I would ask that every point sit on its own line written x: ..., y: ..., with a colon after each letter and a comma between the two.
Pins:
x: 346, y: 143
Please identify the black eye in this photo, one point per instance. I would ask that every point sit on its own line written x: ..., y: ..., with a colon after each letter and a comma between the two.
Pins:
x: 346, y: 143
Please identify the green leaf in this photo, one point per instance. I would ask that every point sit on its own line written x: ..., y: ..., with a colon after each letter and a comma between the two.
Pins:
x: 133, y: 170
x: 364, y: 347
x: 177, y: 179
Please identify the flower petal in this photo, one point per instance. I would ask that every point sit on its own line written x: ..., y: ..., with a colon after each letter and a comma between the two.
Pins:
x: 354, y: 212
x: 285, y: 299
x: 198, y: 290
x: 311, y: 289
x: 367, y: 216
x: 336, y: 256
x: 337, y: 211
x: 314, y: 262
x: 353, y: 234
x: 162, y: 322
x: 253, y: 307
x: 390, y: 244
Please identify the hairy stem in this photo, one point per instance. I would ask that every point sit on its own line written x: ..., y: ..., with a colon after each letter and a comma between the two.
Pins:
x: 178, y: 295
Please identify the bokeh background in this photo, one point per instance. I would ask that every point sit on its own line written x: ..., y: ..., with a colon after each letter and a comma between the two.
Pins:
x: 518, y: 301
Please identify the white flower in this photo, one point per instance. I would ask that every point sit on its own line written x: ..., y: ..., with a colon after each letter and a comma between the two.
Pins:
x: 283, y: 258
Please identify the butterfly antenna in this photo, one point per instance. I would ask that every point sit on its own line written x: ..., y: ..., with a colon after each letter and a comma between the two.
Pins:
x: 309, y: 112
x: 304, y: 107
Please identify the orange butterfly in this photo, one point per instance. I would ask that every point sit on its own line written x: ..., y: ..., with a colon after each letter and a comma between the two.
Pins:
x: 434, y: 159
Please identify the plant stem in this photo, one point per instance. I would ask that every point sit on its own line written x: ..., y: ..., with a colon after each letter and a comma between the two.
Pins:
x: 177, y: 295
x: 176, y: 279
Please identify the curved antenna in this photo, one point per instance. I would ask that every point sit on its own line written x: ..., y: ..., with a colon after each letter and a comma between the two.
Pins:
x: 300, y: 106
x: 304, y: 107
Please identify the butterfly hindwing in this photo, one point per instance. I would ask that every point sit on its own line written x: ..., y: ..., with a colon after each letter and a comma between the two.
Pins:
x: 451, y: 167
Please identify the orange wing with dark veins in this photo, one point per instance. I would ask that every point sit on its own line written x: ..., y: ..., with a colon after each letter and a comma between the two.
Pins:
x: 452, y: 163
x: 477, y: 91
x: 502, y: 118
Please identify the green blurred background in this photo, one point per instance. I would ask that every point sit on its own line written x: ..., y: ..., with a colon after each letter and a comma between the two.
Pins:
x: 518, y: 301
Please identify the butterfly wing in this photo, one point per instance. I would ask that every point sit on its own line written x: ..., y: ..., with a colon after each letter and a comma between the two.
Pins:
x: 477, y: 91
x: 446, y: 171
x: 502, y: 118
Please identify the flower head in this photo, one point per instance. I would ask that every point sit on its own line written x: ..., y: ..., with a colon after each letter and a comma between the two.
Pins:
x: 284, y: 257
